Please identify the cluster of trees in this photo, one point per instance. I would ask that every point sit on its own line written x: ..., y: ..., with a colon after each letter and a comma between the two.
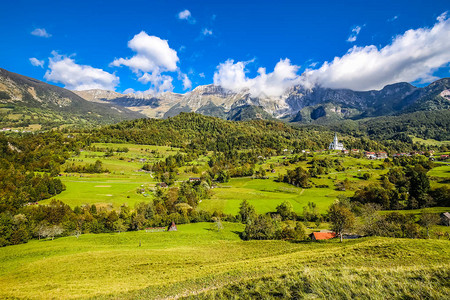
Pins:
x: 167, y: 169
x: 96, y: 167
x: 108, y: 149
x: 298, y: 177
x: 405, y: 186
x: 234, y: 163
x: 269, y: 227
x: 323, y: 166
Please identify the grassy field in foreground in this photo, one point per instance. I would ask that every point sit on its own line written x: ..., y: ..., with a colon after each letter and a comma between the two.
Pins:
x: 196, y: 260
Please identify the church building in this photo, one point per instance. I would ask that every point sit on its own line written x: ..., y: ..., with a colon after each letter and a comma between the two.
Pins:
x: 335, y: 145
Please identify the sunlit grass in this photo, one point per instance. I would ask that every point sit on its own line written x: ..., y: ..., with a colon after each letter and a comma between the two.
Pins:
x: 196, y: 259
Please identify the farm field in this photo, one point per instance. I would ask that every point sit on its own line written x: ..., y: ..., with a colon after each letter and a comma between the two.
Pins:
x: 197, y: 261
x: 127, y: 184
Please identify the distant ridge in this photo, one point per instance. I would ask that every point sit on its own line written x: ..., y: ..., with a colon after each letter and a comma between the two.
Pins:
x: 316, y: 105
x: 32, y: 101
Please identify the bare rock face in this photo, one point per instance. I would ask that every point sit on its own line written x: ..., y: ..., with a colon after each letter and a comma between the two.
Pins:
x: 98, y: 95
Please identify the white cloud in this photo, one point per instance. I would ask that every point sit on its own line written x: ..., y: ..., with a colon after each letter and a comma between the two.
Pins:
x: 63, y: 69
x: 152, y: 55
x: 187, y: 84
x: 354, y: 34
x: 186, y: 15
x: 159, y: 83
x: 41, y: 32
x: 207, y: 31
x: 232, y: 76
x: 413, y: 56
x: 202, y: 75
x: 36, y: 62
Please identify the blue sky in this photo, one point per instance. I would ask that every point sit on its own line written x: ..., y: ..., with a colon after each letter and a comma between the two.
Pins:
x: 155, y: 46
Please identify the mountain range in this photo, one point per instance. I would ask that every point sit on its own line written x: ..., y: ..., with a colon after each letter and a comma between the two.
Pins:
x: 297, y: 104
x: 24, y: 100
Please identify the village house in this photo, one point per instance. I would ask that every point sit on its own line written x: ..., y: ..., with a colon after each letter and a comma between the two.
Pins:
x: 370, y: 155
x: 381, y: 155
x: 375, y: 155
x: 162, y: 184
x: 194, y: 179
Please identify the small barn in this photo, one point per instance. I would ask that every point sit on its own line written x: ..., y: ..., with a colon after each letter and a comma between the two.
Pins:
x: 172, y: 227
x: 317, y: 236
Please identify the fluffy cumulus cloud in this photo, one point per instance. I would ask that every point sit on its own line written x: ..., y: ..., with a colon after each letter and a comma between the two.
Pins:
x: 412, y: 56
x: 186, y: 15
x: 354, y: 34
x: 65, y: 70
x: 231, y: 75
x: 153, y: 57
x: 36, y: 62
x: 41, y: 32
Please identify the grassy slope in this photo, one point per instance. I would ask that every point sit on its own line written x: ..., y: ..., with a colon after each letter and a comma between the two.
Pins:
x: 195, y: 259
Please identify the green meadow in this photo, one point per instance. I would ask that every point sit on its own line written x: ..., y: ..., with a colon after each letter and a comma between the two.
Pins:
x: 127, y: 184
x: 196, y: 262
x: 113, y: 191
x: 265, y: 195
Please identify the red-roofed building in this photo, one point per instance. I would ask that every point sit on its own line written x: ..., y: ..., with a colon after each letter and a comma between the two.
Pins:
x: 316, y: 236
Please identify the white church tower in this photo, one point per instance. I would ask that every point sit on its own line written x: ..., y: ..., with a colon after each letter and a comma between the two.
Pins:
x: 335, y: 145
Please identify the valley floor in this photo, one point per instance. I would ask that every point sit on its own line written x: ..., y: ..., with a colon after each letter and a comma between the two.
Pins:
x: 199, y: 261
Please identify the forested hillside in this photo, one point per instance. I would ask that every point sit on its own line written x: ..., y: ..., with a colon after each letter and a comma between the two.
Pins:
x: 196, y: 131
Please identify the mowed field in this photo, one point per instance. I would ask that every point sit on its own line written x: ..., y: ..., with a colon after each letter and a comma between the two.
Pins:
x: 200, y: 262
